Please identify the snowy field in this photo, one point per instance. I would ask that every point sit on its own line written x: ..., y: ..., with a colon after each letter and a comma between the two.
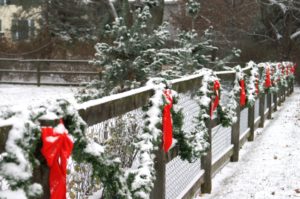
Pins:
x: 23, y: 96
x: 269, y: 167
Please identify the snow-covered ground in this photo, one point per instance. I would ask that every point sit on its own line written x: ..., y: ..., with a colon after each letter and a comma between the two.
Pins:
x: 269, y: 167
x: 23, y: 96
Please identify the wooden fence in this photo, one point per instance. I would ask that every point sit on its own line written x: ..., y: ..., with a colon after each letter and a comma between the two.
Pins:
x: 102, y: 109
x: 36, y: 70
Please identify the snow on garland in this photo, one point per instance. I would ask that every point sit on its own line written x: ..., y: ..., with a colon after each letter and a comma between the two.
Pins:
x: 252, y: 84
x: 148, y: 142
x: 24, y: 138
x: 283, y: 79
x: 205, y: 95
x: 265, y: 77
x: 275, y: 75
x: 247, y: 88
x: 18, y: 160
x: 290, y: 69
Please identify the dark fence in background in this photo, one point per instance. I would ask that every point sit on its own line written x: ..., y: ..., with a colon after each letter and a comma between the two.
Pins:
x: 46, y: 72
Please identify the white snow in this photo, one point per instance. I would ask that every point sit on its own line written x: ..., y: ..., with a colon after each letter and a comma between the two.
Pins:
x: 268, y: 167
x: 61, y: 129
x: 23, y: 96
x: 18, y: 194
x: 295, y: 34
x: 94, y: 148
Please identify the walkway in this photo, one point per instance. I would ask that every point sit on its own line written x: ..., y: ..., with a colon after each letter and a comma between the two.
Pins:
x: 269, y: 167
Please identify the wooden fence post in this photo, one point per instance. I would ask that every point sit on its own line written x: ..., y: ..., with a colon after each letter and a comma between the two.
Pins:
x: 275, y: 96
x: 269, y: 104
x: 262, y: 110
x: 291, y: 86
x: 279, y: 97
x: 206, y: 162
x: 4, y: 131
x: 38, y: 75
x: 159, y: 188
x: 235, y: 136
x: 284, y: 93
x: 251, y: 119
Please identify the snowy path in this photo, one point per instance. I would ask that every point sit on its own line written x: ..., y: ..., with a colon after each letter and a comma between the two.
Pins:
x: 269, y: 167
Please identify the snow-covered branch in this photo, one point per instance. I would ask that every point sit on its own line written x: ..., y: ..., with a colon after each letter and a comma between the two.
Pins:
x: 295, y: 34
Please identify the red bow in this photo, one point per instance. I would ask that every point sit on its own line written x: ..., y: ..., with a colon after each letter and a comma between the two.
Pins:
x: 57, y: 147
x: 215, y: 103
x: 268, y: 78
x: 242, y: 93
x: 167, y: 121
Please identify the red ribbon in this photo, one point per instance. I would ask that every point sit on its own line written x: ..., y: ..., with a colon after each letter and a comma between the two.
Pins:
x: 256, y: 86
x: 57, y: 147
x: 242, y: 93
x: 215, y: 102
x: 293, y: 68
x: 268, y: 78
x: 167, y: 121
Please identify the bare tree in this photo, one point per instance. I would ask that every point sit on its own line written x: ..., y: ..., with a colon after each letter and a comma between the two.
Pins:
x: 281, y: 24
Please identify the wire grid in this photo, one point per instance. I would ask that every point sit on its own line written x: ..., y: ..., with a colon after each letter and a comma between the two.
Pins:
x: 221, y: 140
x: 221, y: 136
x: 180, y: 173
x: 79, y: 180
x: 256, y: 109
x: 266, y: 102
x: 244, y: 121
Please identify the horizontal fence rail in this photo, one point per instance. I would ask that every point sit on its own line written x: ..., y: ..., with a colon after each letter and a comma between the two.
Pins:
x: 225, y: 142
x: 46, y: 72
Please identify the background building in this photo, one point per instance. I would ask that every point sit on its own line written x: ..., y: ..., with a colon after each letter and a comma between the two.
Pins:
x: 15, y: 24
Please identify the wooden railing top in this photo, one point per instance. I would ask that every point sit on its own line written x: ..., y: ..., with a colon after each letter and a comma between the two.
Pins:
x: 96, y: 111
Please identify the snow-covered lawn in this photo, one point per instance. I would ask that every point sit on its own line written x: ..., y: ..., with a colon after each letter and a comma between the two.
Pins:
x: 269, y: 167
x: 23, y: 96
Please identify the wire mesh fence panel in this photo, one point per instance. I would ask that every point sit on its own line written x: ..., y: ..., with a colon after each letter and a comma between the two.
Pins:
x: 243, y: 121
x: 256, y: 109
x: 221, y: 140
x: 180, y: 173
x: 118, y: 134
x: 266, y: 102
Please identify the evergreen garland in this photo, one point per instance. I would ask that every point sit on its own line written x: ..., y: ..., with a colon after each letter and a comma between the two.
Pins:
x: 251, y: 84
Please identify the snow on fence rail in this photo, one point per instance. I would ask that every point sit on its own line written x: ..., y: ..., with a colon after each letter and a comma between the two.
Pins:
x: 174, y: 177
x: 46, y: 72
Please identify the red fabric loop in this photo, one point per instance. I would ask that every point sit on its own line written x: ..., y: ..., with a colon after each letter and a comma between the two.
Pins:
x: 256, y: 86
x: 242, y: 93
x: 167, y: 121
x: 293, y: 68
x: 268, y: 78
x: 215, y: 102
x: 57, y: 147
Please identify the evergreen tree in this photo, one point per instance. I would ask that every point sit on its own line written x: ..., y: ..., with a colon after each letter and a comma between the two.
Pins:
x: 130, y: 59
